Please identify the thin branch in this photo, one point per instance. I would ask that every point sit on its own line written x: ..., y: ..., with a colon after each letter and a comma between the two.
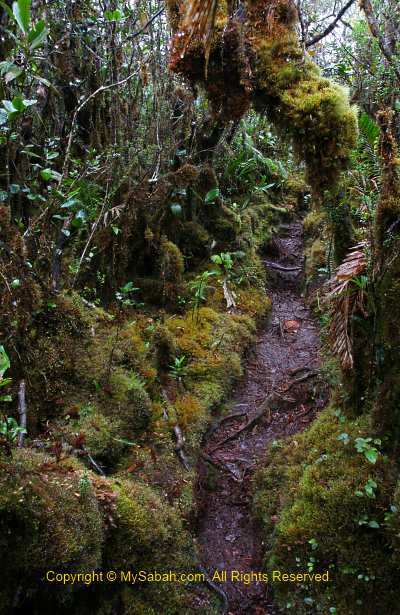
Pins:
x: 99, y: 90
x: 331, y: 26
x: 147, y: 24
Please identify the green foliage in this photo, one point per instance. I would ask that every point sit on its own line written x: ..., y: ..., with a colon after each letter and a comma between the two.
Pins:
x: 178, y: 368
x: 198, y: 288
x: 369, y: 129
x: 211, y: 196
x: 125, y: 295
x: 4, y: 366
x: 10, y: 429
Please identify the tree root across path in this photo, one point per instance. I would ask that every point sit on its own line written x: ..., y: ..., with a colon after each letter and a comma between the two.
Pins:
x: 264, y: 407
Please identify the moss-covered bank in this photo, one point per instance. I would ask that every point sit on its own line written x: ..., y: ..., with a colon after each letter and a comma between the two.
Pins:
x: 328, y: 499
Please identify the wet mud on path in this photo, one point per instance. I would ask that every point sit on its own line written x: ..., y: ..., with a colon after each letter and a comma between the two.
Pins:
x: 279, y: 395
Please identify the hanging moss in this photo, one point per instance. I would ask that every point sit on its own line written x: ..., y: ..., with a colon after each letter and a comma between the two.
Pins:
x: 285, y: 84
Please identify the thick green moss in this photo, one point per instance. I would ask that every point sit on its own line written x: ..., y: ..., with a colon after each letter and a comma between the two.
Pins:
x: 312, y: 500
x: 49, y: 519
x: 148, y: 535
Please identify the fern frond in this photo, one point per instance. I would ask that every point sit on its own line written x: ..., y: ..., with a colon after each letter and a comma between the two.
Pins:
x: 346, y: 297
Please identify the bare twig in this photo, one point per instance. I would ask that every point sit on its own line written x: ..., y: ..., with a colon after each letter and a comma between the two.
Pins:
x: 332, y: 25
x: 148, y: 23
x: 253, y: 421
x: 96, y: 466
x: 22, y: 413
x: 99, y: 90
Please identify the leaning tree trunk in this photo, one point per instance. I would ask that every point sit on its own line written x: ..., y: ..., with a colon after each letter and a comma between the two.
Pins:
x: 387, y: 285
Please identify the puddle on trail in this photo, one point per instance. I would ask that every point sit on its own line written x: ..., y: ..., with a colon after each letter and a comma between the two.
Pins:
x: 284, y: 367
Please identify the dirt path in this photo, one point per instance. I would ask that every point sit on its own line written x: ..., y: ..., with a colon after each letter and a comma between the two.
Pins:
x: 284, y: 370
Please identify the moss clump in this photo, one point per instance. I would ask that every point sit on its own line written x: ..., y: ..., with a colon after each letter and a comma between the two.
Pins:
x: 194, y: 240
x: 49, y: 519
x: 315, y: 258
x: 314, y: 223
x: 129, y: 403
x: 171, y: 269
x: 284, y: 83
x: 101, y: 433
x: 149, y: 535
x: 313, y: 500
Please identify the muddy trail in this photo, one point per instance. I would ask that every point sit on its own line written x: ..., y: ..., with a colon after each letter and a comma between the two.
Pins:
x: 279, y: 395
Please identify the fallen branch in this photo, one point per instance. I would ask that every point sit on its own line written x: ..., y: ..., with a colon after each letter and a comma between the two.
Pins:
x: 22, y: 413
x: 179, y: 438
x: 180, y: 443
x: 217, y: 589
x: 311, y: 374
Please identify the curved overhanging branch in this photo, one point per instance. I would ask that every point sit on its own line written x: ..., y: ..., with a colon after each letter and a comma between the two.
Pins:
x: 256, y: 58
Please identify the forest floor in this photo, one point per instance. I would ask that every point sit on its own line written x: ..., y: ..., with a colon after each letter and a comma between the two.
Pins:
x: 279, y: 396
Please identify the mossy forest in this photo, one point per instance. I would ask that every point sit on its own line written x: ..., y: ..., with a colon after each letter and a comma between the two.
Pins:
x: 200, y: 307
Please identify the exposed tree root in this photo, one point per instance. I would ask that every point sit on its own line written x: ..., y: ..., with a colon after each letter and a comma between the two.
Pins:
x: 217, y: 589
x: 228, y: 417
x: 281, y: 267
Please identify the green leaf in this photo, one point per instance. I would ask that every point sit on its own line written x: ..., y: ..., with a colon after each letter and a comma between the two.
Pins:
x: 4, y: 361
x: 8, y: 106
x: 176, y: 209
x: 69, y: 202
x: 22, y: 14
x: 374, y: 525
x: 37, y: 35
x: 13, y: 73
x: 44, y: 81
x: 28, y: 102
x: 114, y: 15
x: 5, y: 398
x: 48, y: 174
x: 371, y: 454
x: 211, y: 196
